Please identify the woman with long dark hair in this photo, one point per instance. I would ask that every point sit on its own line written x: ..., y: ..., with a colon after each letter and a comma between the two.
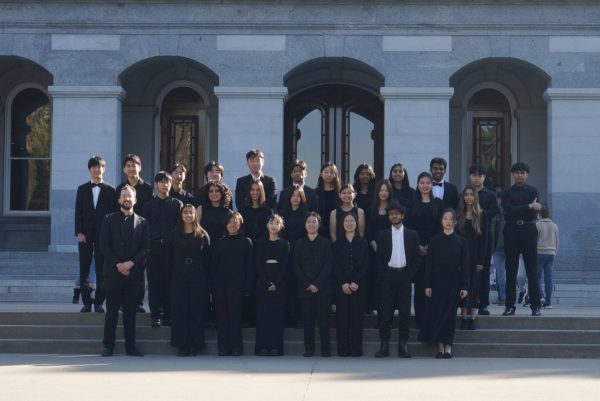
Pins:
x: 351, y: 262
x: 328, y: 189
x: 272, y: 255
x: 403, y: 192
x: 214, y: 208
x: 189, y: 246
x: 364, y: 185
x: 231, y: 270
x: 256, y: 212
x: 424, y: 218
x: 473, y: 226
x: 446, y: 282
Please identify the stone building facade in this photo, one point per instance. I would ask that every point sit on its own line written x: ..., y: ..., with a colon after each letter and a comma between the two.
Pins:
x: 376, y: 81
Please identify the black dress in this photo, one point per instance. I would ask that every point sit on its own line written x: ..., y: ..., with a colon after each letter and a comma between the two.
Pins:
x: 477, y: 246
x: 188, y: 290
x: 364, y: 201
x: 351, y: 262
x: 424, y: 218
x: 213, y: 221
x: 405, y: 196
x: 340, y: 215
x: 446, y: 275
x: 231, y: 268
x: 375, y: 224
x: 255, y: 221
x: 328, y: 201
x: 270, y: 304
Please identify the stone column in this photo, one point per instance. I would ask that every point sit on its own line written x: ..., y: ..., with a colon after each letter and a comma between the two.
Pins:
x: 250, y: 117
x: 86, y: 121
x: 416, y: 127
x: 573, y: 184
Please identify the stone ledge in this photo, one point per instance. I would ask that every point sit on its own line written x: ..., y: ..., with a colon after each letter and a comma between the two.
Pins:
x: 251, y: 92
x: 87, y: 92
x: 551, y: 94
x: 388, y: 92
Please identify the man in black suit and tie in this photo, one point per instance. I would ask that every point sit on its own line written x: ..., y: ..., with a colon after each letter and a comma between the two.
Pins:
x: 298, y: 172
x: 397, y: 263
x: 442, y: 189
x: 125, y: 242
x: 95, y: 199
x: 255, y: 159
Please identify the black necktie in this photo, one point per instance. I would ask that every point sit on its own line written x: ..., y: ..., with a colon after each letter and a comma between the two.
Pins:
x: 97, y: 185
x: 439, y: 184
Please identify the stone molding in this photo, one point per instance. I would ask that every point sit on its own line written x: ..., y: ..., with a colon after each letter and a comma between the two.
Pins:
x: 551, y: 94
x: 87, y: 92
x: 388, y: 92
x: 86, y: 42
x: 417, y: 43
x: 254, y: 43
x: 251, y: 92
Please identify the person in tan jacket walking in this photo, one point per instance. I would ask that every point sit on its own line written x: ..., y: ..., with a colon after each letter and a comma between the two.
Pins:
x: 546, y: 251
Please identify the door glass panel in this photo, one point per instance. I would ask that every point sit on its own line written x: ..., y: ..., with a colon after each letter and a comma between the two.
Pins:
x: 308, y: 145
x: 488, y: 150
x: 183, y: 133
x: 30, y: 185
x: 360, y: 143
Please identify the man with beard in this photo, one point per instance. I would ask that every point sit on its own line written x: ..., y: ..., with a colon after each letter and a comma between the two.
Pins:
x: 125, y: 243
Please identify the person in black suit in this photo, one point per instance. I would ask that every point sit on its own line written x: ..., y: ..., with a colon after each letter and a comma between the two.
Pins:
x: 255, y: 159
x: 178, y: 171
x: 132, y: 167
x: 125, y: 243
x: 298, y: 173
x: 95, y: 199
x: 442, y: 189
x: 213, y: 171
x: 397, y: 262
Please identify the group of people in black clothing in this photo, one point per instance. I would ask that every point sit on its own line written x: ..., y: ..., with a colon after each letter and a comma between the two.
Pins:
x: 283, y: 262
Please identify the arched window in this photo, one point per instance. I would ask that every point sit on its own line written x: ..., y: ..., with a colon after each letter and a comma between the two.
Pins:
x: 28, y: 187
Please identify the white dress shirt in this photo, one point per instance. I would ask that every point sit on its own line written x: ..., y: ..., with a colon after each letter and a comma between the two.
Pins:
x: 438, y: 191
x: 398, y: 259
x: 96, y: 194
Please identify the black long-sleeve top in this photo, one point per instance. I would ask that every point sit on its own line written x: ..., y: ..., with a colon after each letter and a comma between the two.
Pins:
x: 278, y: 250
x: 447, y: 256
x: 184, y: 196
x: 328, y: 201
x: 231, y: 263
x: 162, y: 215
x: 405, y: 196
x: 477, y: 243
x: 424, y: 218
x: 488, y: 202
x: 313, y: 264
x: 515, y: 203
x: 143, y: 194
x: 351, y: 260
x: 255, y: 221
x: 376, y: 223
x: 213, y: 221
x: 294, y: 223
x: 364, y: 201
x: 188, y: 249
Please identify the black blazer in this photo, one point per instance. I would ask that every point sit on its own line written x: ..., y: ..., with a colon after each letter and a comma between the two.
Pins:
x: 87, y: 219
x: 384, y: 251
x: 112, y: 245
x: 312, y: 203
x: 242, y: 187
x: 450, y: 198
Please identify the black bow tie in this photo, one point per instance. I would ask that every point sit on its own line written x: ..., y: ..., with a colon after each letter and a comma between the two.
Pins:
x: 439, y: 184
x: 97, y: 185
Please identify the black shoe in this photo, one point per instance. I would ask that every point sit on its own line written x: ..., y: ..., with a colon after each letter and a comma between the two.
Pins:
x: 356, y: 354
x: 464, y: 324
x: 439, y: 355
x: 76, y: 293
x: 509, y: 311
x: 471, y: 324
x: 224, y: 353
x: 326, y: 354
x: 403, y: 349
x: 521, y: 296
x: 447, y: 355
x: 308, y: 353
x: 536, y: 312
x: 86, y: 309
x: 183, y: 351
x: 275, y: 352
x: 98, y: 309
x: 156, y: 322
x: 106, y: 352
x: 484, y: 312
x: 384, y: 350
x: 236, y: 353
x: 263, y: 352
x: 140, y: 309
x: 133, y: 351
x: 343, y: 354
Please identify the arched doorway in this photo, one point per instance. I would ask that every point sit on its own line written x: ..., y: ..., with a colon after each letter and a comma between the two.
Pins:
x: 334, y: 114
x: 497, y: 117
x: 170, y: 115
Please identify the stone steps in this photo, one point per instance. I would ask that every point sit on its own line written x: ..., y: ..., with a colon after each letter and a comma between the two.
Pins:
x: 496, y: 336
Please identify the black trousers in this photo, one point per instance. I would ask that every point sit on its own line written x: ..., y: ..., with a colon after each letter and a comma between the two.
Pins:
x: 484, y: 282
x: 349, y: 321
x: 188, y: 296
x: 293, y: 310
x: 421, y: 302
x: 269, y: 318
x: 87, y: 251
x: 228, y: 304
x: 159, y: 280
x: 142, y: 289
x: 395, y: 289
x: 316, y: 308
x: 521, y: 240
x: 121, y: 291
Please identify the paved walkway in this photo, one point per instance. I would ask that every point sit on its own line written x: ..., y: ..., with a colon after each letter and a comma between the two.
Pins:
x: 168, y: 378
